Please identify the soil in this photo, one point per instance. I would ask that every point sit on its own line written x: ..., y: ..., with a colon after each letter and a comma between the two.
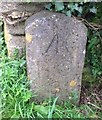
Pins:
x: 92, y: 95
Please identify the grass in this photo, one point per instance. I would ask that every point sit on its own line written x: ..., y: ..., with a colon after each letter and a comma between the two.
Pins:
x: 16, y: 95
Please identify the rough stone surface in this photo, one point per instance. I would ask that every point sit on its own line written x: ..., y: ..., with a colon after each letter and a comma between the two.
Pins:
x: 55, y: 51
x: 17, y: 29
x: 5, y: 7
x: 14, y: 42
x: 14, y: 15
x: 14, y: 12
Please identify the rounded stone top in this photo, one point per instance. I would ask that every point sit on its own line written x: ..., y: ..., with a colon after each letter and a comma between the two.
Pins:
x: 45, y: 15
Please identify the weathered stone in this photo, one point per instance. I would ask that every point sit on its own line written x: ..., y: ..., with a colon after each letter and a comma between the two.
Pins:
x: 14, y: 42
x: 17, y: 29
x: 6, y: 7
x: 14, y: 15
x: 55, y: 51
x: 14, y: 12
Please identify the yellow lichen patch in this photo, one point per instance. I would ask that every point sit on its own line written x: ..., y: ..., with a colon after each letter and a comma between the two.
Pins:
x: 72, y: 83
x: 28, y: 77
x: 28, y: 37
x: 9, y: 52
x: 6, y: 33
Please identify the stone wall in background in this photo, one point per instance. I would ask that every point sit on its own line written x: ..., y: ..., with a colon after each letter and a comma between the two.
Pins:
x: 14, y: 15
x: 15, y: 39
x: 55, y: 51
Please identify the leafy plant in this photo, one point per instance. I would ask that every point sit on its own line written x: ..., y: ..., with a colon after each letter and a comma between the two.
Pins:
x: 94, y: 54
x: 72, y: 8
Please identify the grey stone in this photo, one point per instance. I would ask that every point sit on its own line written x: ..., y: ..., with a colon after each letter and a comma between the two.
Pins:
x: 55, y: 51
x: 14, y: 15
x: 14, y: 42
x: 14, y: 12
x: 17, y: 29
x: 6, y: 7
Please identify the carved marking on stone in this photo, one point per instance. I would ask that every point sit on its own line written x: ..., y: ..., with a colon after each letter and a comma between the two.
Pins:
x: 50, y: 44
x: 56, y: 39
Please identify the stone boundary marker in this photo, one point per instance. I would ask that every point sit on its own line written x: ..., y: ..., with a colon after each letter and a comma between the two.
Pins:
x: 55, y: 51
